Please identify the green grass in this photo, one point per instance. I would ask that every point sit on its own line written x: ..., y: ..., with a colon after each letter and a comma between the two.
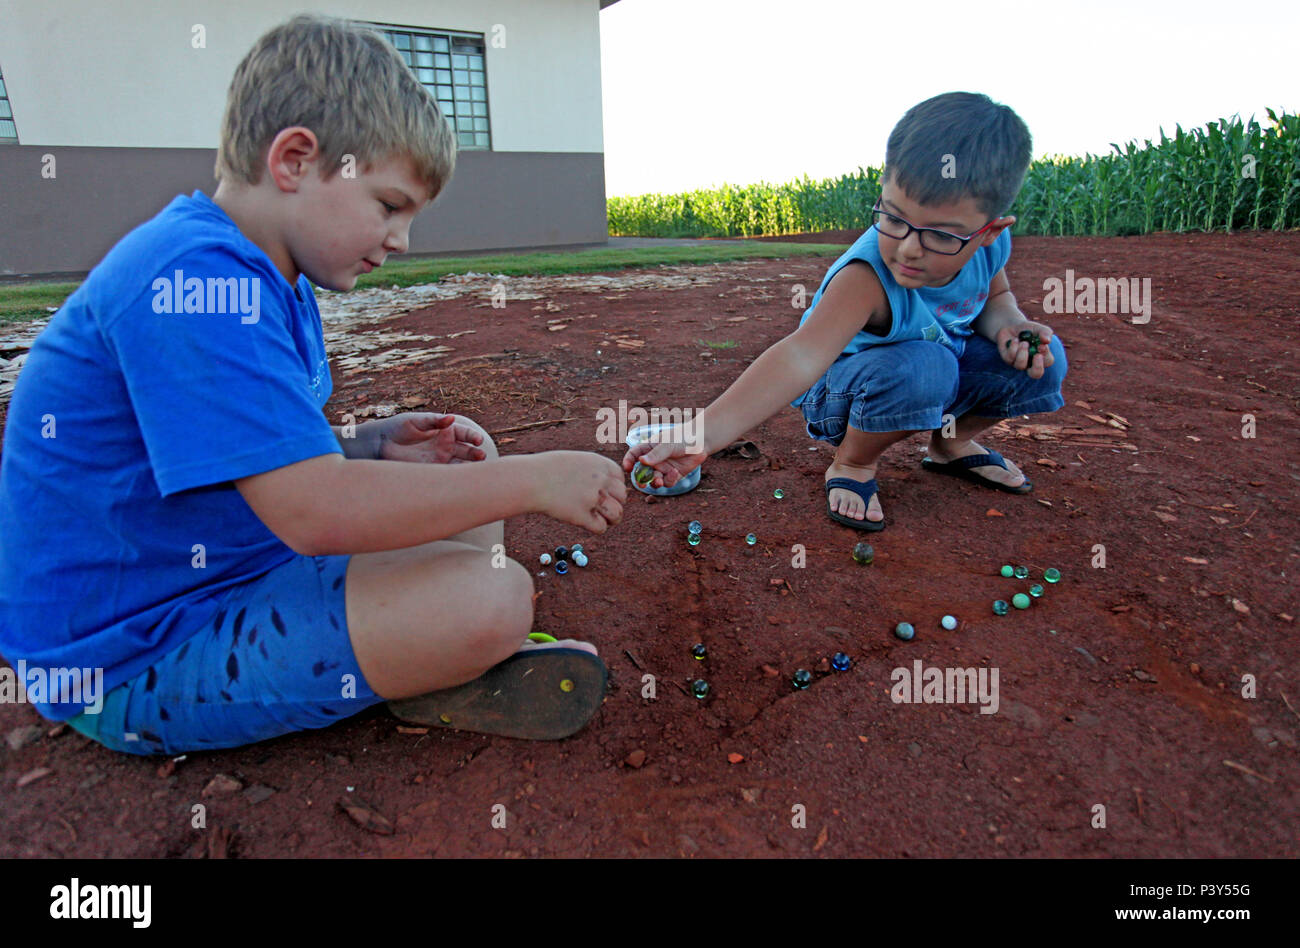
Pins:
x: 1230, y: 175
x: 25, y: 301
x: 727, y: 344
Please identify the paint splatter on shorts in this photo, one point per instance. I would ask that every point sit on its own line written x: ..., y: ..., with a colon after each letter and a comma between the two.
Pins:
x: 276, y: 659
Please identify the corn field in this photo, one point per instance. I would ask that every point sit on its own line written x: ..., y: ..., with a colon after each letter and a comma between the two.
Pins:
x: 1229, y: 175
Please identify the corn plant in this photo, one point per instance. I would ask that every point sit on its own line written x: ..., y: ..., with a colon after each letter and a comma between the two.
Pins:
x: 1196, y: 180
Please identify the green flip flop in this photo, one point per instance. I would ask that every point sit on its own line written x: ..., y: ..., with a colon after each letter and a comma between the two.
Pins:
x: 536, y: 694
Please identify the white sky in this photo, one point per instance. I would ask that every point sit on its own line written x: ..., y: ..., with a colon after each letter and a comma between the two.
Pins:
x: 698, y: 92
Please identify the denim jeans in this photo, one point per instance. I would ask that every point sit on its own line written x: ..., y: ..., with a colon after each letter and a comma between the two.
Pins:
x: 910, y: 386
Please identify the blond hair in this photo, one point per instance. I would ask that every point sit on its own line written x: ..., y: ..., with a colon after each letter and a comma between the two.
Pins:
x: 349, y: 86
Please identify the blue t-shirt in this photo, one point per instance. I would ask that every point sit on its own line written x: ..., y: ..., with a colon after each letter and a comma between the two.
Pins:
x: 941, y: 314
x: 184, y: 361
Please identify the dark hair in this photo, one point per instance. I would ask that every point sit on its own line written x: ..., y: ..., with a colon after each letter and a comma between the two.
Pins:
x: 959, y: 145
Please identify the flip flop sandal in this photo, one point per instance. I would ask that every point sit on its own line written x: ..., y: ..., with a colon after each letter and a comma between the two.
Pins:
x: 536, y: 694
x: 962, y: 468
x: 864, y: 489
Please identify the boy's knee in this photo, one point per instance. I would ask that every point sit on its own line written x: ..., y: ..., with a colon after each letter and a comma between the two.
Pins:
x: 511, y: 595
x: 925, y: 377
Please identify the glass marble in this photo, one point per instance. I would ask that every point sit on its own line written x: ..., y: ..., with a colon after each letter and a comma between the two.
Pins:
x: 579, y: 558
x: 576, y: 548
x: 642, y: 475
x: 1007, y: 571
x: 1000, y: 607
x: 1022, y: 572
x: 693, y: 539
x: 700, y: 688
x: 695, y: 527
x: 840, y: 662
x: 948, y: 622
x: 700, y: 652
x: 1035, y: 590
x: 1052, y: 575
x: 864, y: 554
x: 561, y: 567
x: 802, y: 679
x: 904, y: 631
x: 545, y: 559
x: 561, y: 553
x: 751, y: 539
x: 1020, y: 601
x: 778, y: 493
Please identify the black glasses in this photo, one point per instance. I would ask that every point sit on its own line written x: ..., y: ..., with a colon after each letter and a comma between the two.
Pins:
x: 939, y: 241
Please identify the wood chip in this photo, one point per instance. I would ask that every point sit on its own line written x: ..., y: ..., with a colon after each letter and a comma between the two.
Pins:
x: 1165, y: 517
x: 1246, y: 770
x: 821, y: 840
x: 1195, y: 559
x: 32, y: 776
x: 994, y: 512
x: 735, y: 758
x: 414, y: 401
x: 367, y: 817
x: 411, y: 730
x: 221, y: 785
x: 1045, y: 503
x: 1241, y: 607
x: 219, y: 841
x: 558, y: 327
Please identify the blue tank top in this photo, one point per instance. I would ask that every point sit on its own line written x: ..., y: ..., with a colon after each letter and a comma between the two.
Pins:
x: 941, y: 314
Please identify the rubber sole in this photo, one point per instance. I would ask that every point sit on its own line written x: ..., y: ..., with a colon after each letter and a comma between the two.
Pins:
x: 537, y: 694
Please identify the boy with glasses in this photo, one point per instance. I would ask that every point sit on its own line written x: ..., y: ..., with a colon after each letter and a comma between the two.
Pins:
x: 913, y: 323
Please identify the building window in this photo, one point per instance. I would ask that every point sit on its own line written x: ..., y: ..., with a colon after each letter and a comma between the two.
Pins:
x: 453, y: 68
x: 8, y: 130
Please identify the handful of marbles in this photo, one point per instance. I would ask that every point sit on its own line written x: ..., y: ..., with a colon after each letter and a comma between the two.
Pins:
x: 1030, y: 337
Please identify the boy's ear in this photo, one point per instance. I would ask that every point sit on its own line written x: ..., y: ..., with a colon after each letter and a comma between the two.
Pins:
x: 995, y: 230
x: 292, y: 155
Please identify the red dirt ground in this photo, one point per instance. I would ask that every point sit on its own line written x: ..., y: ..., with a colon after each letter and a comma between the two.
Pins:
x: 1135, y: 702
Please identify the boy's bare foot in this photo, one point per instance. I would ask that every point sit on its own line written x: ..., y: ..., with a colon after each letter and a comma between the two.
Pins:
x: 945, y: 450
x: 846, y: 502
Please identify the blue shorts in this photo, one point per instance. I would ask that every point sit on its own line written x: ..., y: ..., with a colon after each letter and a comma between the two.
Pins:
x: 910, y: 386
x: 276, y: 659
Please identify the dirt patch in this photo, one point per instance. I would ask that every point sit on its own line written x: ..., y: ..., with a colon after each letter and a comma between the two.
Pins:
x: 1121, y: 687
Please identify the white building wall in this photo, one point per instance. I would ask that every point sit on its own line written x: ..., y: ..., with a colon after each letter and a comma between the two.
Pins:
x: 125, y: 73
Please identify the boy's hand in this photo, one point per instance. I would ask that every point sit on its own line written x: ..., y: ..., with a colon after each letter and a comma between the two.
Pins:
x: 671, y: 460
x: 579, y: 487
x: 425, y: 437
x: 1015, y: 351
